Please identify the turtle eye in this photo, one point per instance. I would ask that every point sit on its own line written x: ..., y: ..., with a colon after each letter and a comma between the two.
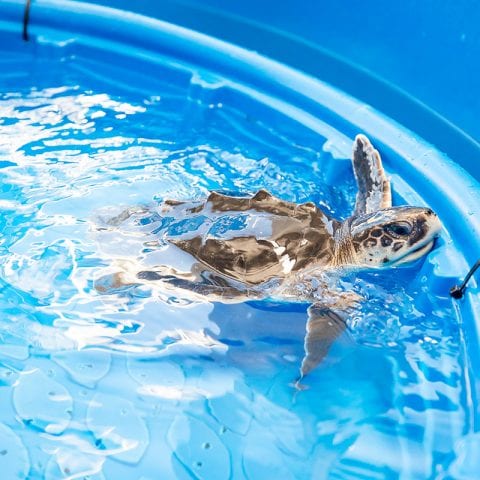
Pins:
x: 400, y: 229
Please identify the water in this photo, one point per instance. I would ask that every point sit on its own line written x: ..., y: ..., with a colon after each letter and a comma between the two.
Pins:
x: 144, y: 384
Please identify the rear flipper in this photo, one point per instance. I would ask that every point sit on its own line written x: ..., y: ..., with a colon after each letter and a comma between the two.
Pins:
x: 212, y: 292
x: 128, y: 275
x: 197, y: 283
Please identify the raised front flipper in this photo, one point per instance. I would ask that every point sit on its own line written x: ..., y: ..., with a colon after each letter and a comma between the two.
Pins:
x: 373, y: 185
x: 326, y: 322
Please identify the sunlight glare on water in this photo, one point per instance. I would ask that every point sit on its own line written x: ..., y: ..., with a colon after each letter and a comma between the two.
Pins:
x: 141, y: 384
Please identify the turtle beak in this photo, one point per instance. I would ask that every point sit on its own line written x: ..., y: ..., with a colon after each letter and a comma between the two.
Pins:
x: 414, y: 254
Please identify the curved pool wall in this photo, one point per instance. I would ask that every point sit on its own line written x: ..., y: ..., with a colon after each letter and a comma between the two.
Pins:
x: 442, y: 183
x: 414, y: 61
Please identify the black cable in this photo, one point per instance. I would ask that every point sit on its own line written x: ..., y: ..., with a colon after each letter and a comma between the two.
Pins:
x: 458, y: 291
x: 26, y: 18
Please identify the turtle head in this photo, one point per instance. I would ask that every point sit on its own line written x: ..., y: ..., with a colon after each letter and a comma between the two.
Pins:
x: 393, y: 236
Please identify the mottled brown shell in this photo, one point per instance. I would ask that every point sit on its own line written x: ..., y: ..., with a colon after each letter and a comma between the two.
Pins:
x: 299, y: 234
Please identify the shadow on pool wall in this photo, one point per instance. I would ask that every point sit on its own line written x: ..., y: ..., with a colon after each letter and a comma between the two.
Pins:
x: 414, y: 61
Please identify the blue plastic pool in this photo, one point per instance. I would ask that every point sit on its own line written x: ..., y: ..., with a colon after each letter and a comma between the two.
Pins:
x: 101, y: 111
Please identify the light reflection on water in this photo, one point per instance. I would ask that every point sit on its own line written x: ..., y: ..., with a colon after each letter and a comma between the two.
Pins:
x: 97, y: 384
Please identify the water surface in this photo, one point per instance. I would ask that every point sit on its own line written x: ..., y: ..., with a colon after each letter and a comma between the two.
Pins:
x: 140, y: 384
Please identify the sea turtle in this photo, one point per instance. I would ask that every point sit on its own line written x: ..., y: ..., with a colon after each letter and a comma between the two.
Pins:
x: 260, y: 246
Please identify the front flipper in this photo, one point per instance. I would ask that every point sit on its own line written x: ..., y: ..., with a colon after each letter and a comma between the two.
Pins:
x: 324, y: 325
x: 374, y: 191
